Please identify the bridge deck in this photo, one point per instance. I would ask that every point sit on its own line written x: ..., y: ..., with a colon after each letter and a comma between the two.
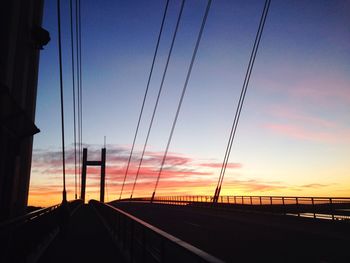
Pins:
x: 85, y: 240
x: 248, y: 237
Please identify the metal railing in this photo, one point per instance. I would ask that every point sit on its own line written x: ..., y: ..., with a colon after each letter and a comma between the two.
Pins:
x: 334, y: 208
x: 24, y: 238
x: 141, y: 242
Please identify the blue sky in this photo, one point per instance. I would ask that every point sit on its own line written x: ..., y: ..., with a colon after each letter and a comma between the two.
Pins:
x: 295, y: 124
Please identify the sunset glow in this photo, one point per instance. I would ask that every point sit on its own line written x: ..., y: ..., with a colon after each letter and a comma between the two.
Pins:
x: 293, y: 138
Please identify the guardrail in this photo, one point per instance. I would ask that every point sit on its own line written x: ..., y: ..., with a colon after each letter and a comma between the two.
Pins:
x: 334, y: 208
x: 141, y: 242
x: 24, y: 238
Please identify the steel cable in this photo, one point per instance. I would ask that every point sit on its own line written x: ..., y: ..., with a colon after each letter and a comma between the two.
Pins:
x: 159, y: 93
x: 144, y: 97
x: 182, y: 94
x: 241, y: 99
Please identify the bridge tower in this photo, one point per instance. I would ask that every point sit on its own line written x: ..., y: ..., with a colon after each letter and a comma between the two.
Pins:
x: 102, y: 164
x: 22, y: 38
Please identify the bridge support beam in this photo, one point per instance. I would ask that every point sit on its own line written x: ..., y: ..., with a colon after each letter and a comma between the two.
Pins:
x: 103, y: 175
x: 102, y: 164
x: 83, y: 175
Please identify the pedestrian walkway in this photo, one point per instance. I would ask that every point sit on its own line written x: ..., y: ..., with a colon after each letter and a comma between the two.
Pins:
x: 85, y: 240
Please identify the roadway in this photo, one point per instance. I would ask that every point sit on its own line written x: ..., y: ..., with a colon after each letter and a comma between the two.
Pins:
x: 236, y: 236
x: 85, y: 239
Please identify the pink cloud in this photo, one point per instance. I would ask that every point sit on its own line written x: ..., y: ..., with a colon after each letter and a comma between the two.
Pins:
x: 176, y: 165
x: 292, y: 115
x: 299, y: 132
x: 218, y: 165
x: 178, y: 168
x: 171, y: 158
x: 294, y: 123
x: 189, y: 176
x: 330, y: 90
x: 322, y: 87
x: 184, y: 175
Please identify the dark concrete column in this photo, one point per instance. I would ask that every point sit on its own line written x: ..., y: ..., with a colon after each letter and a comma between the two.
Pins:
x: 83, y: 175
x: 103, y: 175
x: 19, y: 59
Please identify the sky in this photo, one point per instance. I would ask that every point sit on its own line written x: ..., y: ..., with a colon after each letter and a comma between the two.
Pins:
x: 293, y: 138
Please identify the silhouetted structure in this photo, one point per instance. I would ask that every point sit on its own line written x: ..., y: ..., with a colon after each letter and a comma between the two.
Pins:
x: 101, y: 163
x: 21, y: 40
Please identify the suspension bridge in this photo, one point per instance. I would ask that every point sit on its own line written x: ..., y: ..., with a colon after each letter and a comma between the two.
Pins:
x: 191, y: 228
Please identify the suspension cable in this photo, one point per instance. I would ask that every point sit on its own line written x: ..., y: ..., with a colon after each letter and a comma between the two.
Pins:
x: 80, y: 80
x: 247, y: 77
x: 241, y: 99
x: 145, y: 96
x: 78, y: 87
x: 158, y: 96
x: 64, y: 194
x: 79, y: 83
x: 73, y: 82
x: 183, y: 94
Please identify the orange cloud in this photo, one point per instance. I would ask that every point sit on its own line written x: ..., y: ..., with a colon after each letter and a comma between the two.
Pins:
x: 177, y: 170
x: 181, y: 176
x: 314, y: 185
